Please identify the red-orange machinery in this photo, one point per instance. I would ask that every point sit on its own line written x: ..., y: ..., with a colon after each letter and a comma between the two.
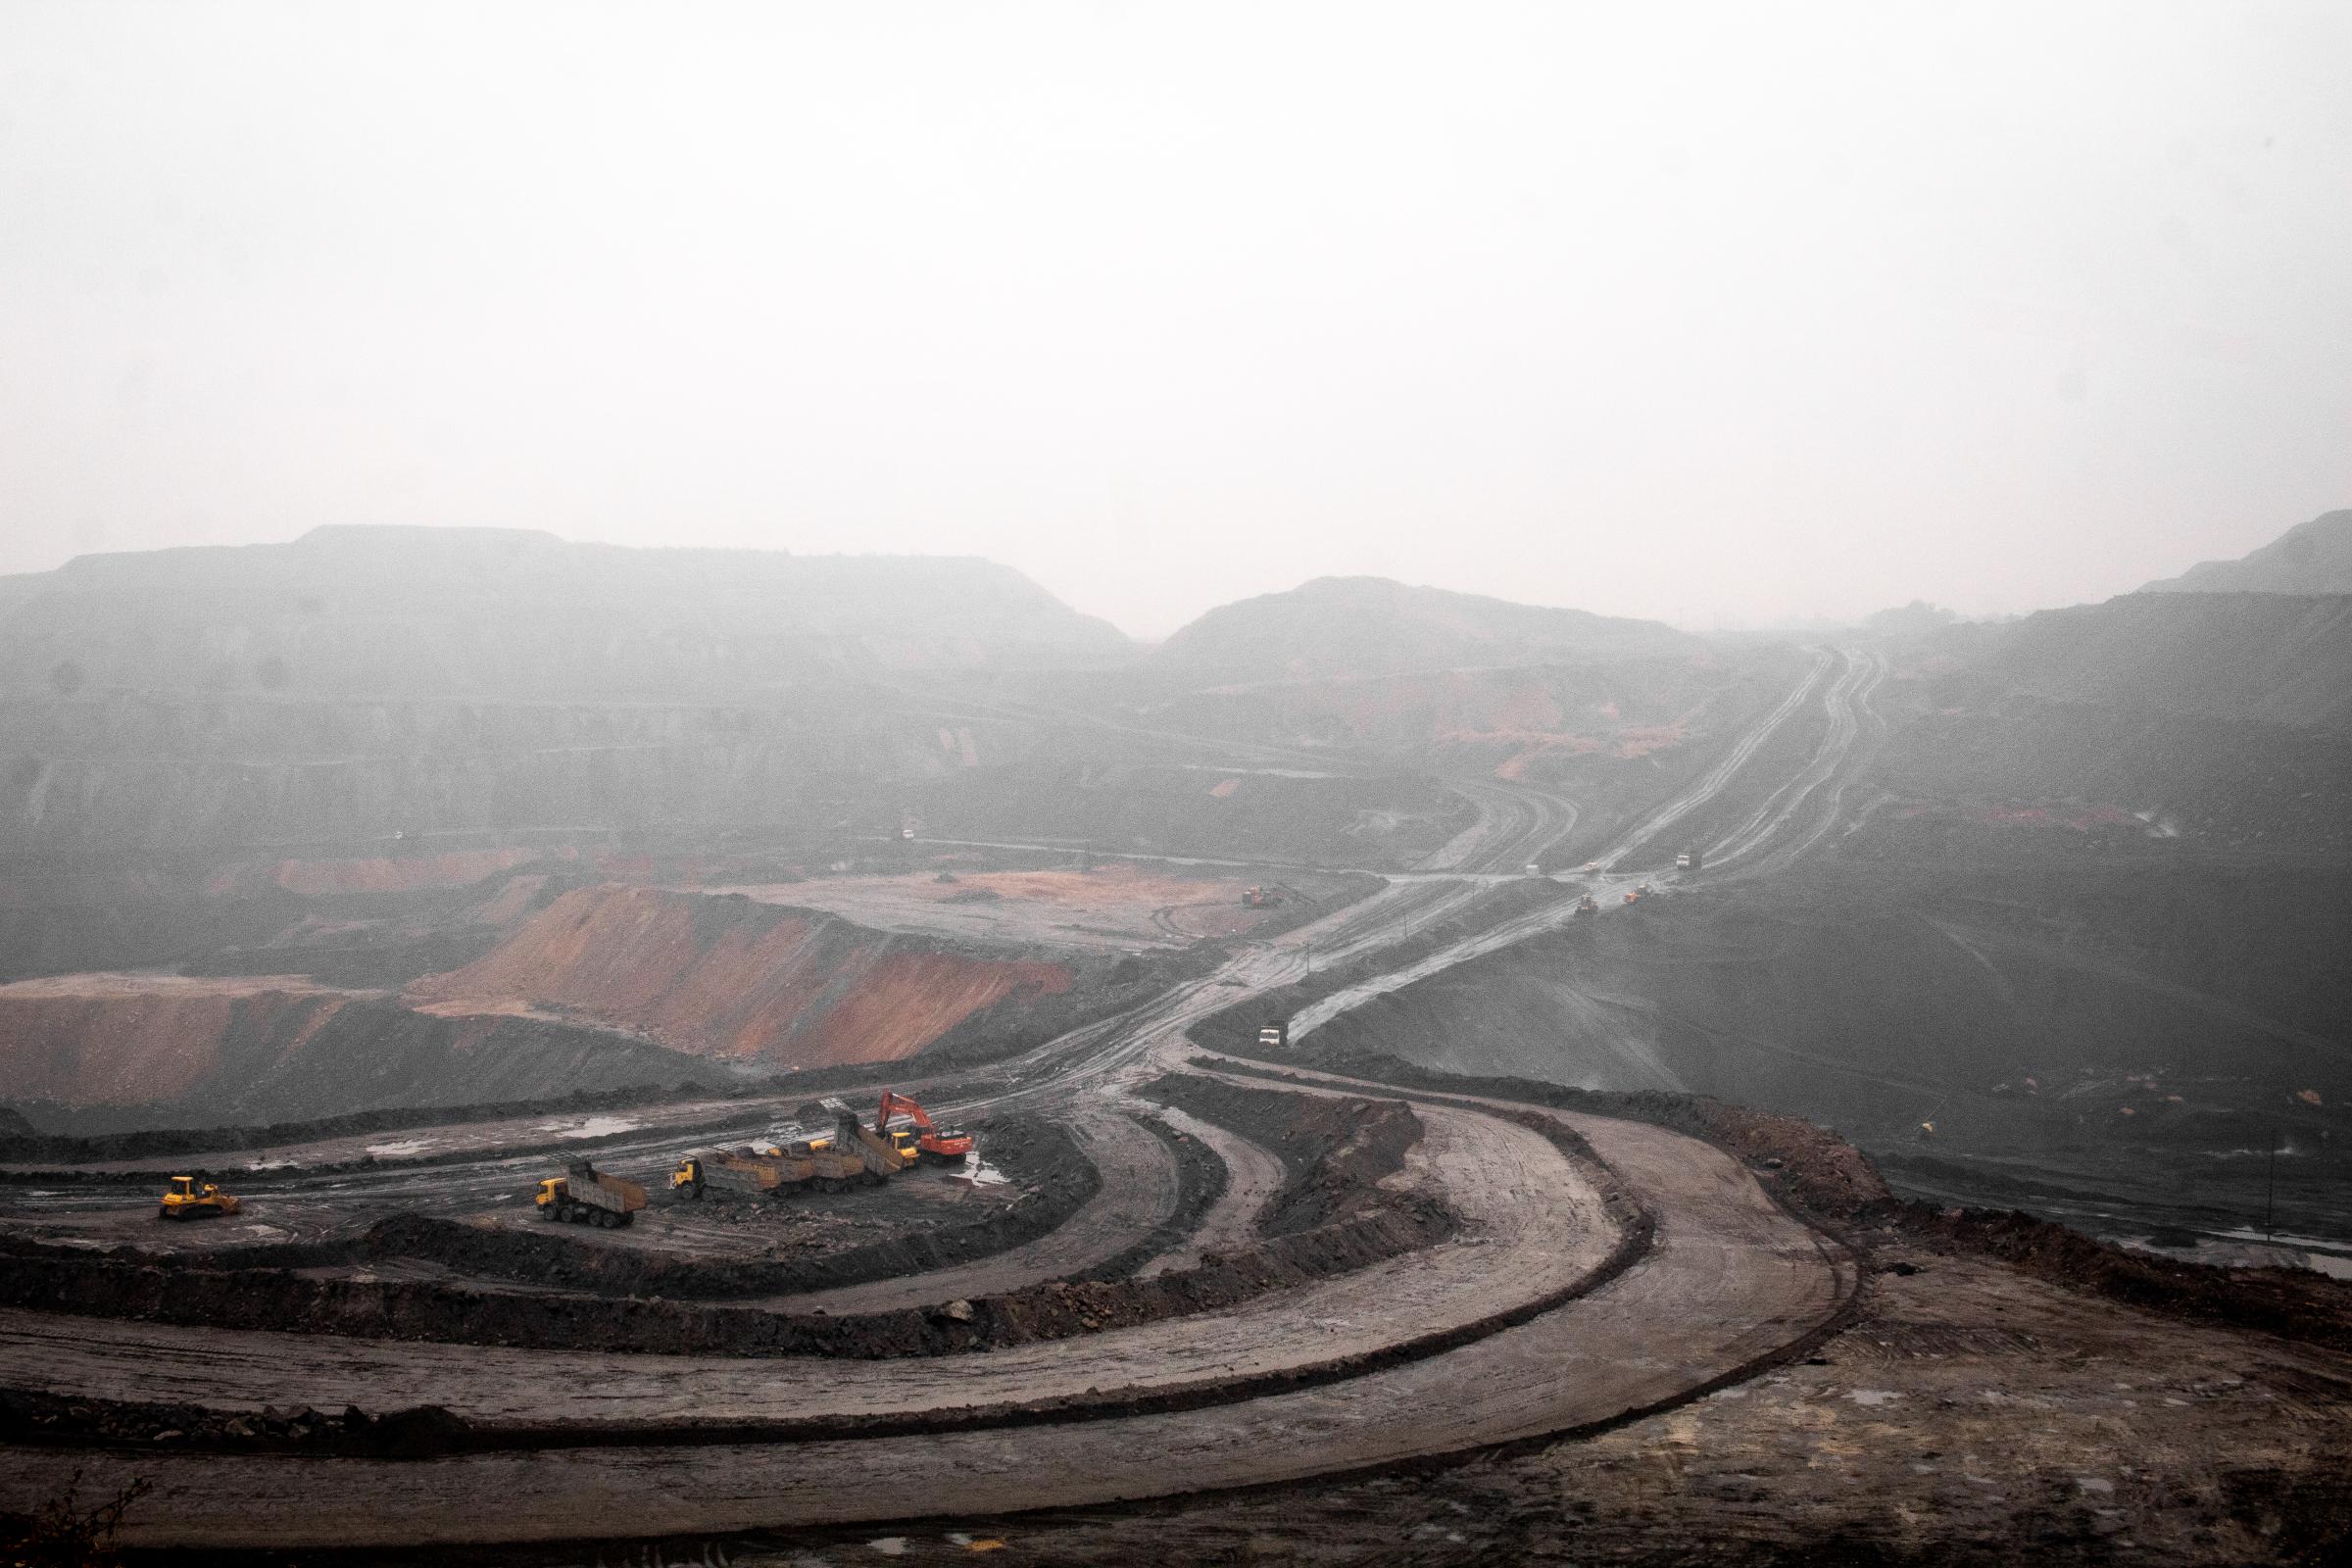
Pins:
x: 932, y: 1141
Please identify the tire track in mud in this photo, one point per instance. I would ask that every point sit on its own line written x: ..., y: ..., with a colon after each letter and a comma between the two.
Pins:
x: 1862, y: 728
x: 1519, y: 929
x: 1253, y: 1176
x: 1847, y: 702
x: 1712, y: 783
x: 1516, y: 824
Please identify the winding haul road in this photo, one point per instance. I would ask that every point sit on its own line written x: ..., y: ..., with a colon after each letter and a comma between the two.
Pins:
x: 1731, y: 1280
x: 1505, y: 1331
x: 1792, y: 818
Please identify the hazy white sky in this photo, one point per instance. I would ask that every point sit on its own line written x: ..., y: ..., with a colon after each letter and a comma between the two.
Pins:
x: 1718, y: 313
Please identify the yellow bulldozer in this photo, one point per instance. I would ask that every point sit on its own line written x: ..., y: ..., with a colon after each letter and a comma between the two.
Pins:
x: 186, y: 1198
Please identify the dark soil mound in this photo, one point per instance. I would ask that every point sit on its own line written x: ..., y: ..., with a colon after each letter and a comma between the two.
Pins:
x: 2311, y: 557
x: 1334, y: 1152
x: 2273, y: 658
x: 2293, y: 1303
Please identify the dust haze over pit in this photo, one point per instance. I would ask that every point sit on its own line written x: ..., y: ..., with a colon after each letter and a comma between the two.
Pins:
x: 1722, y: 315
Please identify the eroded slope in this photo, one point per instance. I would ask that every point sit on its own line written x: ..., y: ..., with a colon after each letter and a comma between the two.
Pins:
x: 730, y: 978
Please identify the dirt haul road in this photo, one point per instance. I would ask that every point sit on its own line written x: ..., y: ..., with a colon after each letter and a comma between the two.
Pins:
x: 1731, y: 1280
x: 1533, y: 1225
x: 1253, y: 1176
x: 1840, y: 681
x: 1516, y: 823
x: 1776, y: 824
x: 1139, y: 1192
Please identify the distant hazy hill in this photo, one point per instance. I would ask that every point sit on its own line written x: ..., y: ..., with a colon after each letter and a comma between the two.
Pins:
x: 2270, y: 658
x: 1352, y: 626
x: 2312, y: 558
x: 401, y: 611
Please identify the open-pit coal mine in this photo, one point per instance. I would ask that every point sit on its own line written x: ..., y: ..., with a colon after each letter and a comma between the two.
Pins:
x: 936, y: 1079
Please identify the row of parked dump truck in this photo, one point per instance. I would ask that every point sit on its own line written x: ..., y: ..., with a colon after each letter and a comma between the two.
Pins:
x: 855, y: 1155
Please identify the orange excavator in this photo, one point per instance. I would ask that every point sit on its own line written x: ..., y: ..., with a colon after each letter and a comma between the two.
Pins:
x: 932, y: 1141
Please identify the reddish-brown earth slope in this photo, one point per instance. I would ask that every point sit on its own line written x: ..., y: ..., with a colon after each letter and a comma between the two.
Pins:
x: 727, y: 977
x: 128, y: 1040
x: 97, y: 1052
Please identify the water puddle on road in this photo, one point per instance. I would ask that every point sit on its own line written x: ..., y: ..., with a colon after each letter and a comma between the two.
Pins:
x: 399, y: 1147
x: 593, y: 1127
x: 978, y: 1172
x: 2247, y: 1247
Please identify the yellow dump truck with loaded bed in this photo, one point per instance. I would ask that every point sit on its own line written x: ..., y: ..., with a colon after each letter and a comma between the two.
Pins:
x: 586, y: 1196
x: 772, y: 1172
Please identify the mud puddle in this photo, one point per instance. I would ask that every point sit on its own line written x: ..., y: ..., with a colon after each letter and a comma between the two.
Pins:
x: 593, y: 1127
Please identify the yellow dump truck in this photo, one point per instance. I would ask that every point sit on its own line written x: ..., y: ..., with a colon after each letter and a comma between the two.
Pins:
x: 865, y: 1154
x: 186, y: 1198
x: 754, y: 1172
x: 586, y: 1196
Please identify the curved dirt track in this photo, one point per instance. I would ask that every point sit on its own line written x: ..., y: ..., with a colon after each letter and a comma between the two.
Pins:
x: 1730, y: 1280
x: 1252, y: 1178
x: 1516, y: 823
x: 1845, y: 705
x: 1534, y: 1225
x: 1139, y: 1192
